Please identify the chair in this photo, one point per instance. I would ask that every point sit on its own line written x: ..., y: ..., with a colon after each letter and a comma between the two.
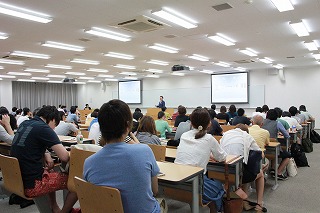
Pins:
x: 85, y: 133
x: 222, y: 121
x: 13, y: 182
x: 158, y: 151
x: 77, y: 158
x: 217, y: 137
x: 97, y: 199
x: 227, y: 127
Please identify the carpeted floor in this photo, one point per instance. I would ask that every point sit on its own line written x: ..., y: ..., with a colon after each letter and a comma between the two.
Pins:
x: 299, y: 194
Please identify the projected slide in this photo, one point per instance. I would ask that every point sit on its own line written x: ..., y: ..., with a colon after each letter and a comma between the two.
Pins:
x: 229, y: 88
x: 130, y: 92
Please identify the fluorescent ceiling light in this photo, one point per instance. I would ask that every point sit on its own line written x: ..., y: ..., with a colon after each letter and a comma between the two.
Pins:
x: 86, y: 78
x: 26, y: 80
x: 240, y: 69
x: 108, y: 34
x: 111, y: 79
x: 7, y: 61
x: 40, y: 78
x: 36, y: 70
x: 198, y: 57
x: 79, y: 82
x: 207, y: 71
x: 283, y: 5
x: 75, y: 73
x: 1, y: 79
x: 97, y: 70
x: 222, y: 64
x: 58, y: 66
x: 105, y: 76
x: 130, y: 78
x: 63, y: 46
x: 94, y: 81
x: 56, y: 76
x: 84, y: 61
x: 122, y: 66
x: 154, y: 70
x: 316, y: 56
x: 19, y: 73
x: 266, y: 60
x: 175, y: 17
x: 119, y: 55
x: 299, y: 28
x: 249, y: 52
x: 7, y: 76
x: 162, y: 63
x: 152, y: 76
x: 163, y: 48
x: 178, y: 74
x: 278, y: 66
x: 222, y: 39
x: 31, y: 55
x: 311, y: 46
x: 56, y: 82
x: 128, y: 73
x: 24, y: 13
x: 3, y: 35
x: 1, y: 68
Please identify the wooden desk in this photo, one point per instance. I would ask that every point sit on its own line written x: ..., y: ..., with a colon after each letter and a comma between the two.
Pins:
x: 68, y: 140
x: 294, y: 136
x: 171, y: 154
x: 176, y: 174
x: 273, y: 150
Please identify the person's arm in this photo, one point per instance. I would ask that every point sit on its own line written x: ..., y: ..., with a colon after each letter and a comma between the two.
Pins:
x: 168, y: 127
x: 73, y: 128
x: 282, y: 130
x: 218, y: 153
x: 298, y: 126
x: 134, y: 139
x: 61, y: 152
x: 5, y: 122
x: 48, y: 160
x: 154, y: 185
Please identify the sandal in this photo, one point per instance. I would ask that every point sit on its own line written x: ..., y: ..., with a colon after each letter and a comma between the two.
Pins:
x: 260, y: 208
x: 249, y: 205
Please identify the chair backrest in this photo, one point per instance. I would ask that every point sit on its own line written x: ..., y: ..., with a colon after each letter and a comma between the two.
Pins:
x: 227, y: 127
x: 273, y: 140
x: 158, y: 151
x: 77, y: 158
x: 12, y: 175
x: 85, y: 133
x: 222, y: 121
x: 97, y: 199
x: 217, y: 137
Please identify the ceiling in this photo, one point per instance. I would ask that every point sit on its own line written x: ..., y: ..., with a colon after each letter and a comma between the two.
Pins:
x: 255, y: 24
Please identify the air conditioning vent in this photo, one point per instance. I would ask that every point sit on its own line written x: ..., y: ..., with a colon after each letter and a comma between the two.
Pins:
x: 246, y: 61
x: 17, y: 58
x: 221, y: 7
x: 140, y: 24
x: 68, y: 80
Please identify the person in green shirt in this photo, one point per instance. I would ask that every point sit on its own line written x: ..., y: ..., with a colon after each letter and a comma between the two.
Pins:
x: 162, y: 125
x: 283, y: 122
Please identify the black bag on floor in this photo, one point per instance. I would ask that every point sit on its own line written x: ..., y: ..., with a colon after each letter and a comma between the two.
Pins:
x: 307, y: 145
x: 299, y: 157
x: 314, y: 136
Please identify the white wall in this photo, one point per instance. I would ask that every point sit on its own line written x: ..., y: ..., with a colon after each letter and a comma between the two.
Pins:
x: 6, y: 94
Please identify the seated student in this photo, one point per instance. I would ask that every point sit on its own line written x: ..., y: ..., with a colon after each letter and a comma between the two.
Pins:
x: 307, y: 115
x: 215, y: 128
x: 223, y: 115
x: 72, y: 116
x: 146, y: 132
x: 196, y: 147
x: 162, y: 125
x: 136, y: 119
x: 232, y: 112
x: 6, y: 132
x: 94, y: 133
x: 65, y: 128
x: 26, y: 115
x: 259, y: 112
x: 283, y: 122
x: 18, y: 114
x: 182, y: 117
x: 273, y: 126
x: 91, y: 116
x: 94, y: 114
x: 238, y: 142
x: 175, y: 114
x: 296, y: 115
x: 286, y: 116
x: 29, y: 146
x: 87, y: 107
x: 167, y: 114
x: 14, y: 109
x: 130, y: 168
x: 240, y: 118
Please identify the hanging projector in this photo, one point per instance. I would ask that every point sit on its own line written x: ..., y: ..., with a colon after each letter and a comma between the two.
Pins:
x: 68, y: 80
x: 176, y: 68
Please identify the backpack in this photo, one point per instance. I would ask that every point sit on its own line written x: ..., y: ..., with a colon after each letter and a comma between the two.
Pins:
x: 314, y: 136
x: 307, y: 145
x: 299, y: 157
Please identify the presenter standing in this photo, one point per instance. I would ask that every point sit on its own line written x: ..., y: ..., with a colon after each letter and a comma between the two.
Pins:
x: 162, y: 103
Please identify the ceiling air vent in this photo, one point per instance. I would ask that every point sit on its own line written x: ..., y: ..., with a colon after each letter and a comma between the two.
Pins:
x: 15, y: 57
x: 221, y: 7
x: 141, y: 24
x: 246, y: 61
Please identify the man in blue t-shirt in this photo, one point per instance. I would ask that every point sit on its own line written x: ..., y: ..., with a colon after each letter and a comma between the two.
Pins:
x: 130, y: 168
x: 162, y: 103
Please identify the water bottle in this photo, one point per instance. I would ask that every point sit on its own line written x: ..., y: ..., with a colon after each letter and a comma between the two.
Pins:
x: 79, y: 137
x: 293, y: 128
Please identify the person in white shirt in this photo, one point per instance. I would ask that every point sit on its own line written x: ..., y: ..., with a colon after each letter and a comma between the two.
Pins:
x: 95, y: 133
x: 6, y: 132
x: 238, y: 142
x: 259, y: 112
x: 303, y: 111
x: 26, y: 114
x: 286, y: 116
x: 65, y: 128
x: 196, y: 148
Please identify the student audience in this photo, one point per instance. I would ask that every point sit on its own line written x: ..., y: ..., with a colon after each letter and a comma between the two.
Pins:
x: 130, y: 168
x: 232, y: 112
x: 196, y: 147
x: 182, y: 117
x: 240, y: 118
x: 146, y: 132
x: 258, y: 111
x: 304, y: 112
x: 136, y: 119
x: 65, y: 128
x: 215, y: 128
x: 283, y: 122
x: 72, y: 116
x: 296, y: 115
x: 223, y: 115
x: 29, y: 147
x: 175, y: 114
x: 162, y: 125
x: 87, y: 107
x: 167, y: 114
x: 14, y: 109
x: 6, y: 132
x: 26, y: 115
x: 286, y: 116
